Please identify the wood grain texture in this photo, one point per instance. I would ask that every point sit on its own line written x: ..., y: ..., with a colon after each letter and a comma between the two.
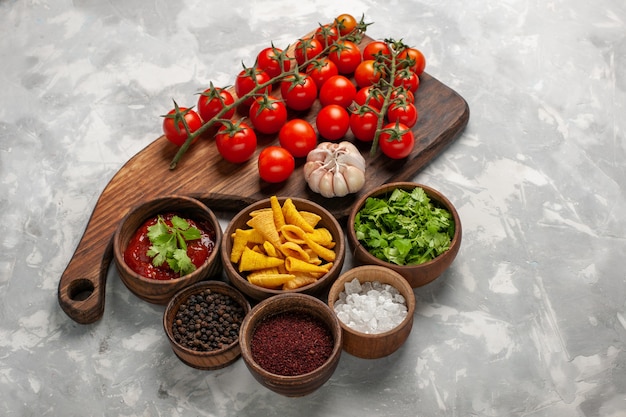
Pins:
x: 203, y: 174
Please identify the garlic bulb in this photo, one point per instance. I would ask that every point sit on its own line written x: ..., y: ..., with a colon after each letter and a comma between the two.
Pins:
x: 335, y: 169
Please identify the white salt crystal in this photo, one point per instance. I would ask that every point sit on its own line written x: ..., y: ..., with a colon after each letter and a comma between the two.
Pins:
x: 353, y: 287
x: 370, y: 307
x: 343, y: 316
x: 399, y: 298
x: 385, y: 324
x: 372, y: 324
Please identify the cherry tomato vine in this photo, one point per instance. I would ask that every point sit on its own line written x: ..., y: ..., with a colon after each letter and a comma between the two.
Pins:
x: 391, y: 76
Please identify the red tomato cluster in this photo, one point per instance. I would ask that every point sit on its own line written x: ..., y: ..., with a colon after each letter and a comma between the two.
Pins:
x: 369, y: 92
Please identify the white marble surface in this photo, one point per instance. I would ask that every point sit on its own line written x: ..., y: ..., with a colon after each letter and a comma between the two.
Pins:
x: 529, y: 321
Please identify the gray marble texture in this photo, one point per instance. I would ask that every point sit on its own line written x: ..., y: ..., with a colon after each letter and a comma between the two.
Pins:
x: 529, y: 321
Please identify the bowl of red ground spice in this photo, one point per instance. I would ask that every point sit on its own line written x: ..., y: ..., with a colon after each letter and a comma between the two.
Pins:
x: 291, y: 343
x: 202, y: 323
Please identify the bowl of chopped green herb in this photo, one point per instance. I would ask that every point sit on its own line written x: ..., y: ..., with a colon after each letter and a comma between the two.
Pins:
x: 408, y: 227
x: 166, y: 244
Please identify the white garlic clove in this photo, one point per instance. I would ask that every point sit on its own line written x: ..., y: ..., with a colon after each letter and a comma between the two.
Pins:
x: 326, y: 184
x: 355, y: 178
x: 315, y: 178
x: 309, y: 167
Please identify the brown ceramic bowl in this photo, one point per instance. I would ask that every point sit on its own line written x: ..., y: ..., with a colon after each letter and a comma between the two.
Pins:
x: 258, y: 293
x: 374, y: 345
x: 161, y: 291
x: 208, y: 359
x: 416, y: 275
x: 295, y: 385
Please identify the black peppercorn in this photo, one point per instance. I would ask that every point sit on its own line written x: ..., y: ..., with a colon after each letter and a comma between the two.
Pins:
x: 207, y: 321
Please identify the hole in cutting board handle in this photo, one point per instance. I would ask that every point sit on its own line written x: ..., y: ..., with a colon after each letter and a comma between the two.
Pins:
x: 81, y: 289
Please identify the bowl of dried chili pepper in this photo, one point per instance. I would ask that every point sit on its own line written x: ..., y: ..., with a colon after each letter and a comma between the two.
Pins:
x: 291, y: 343
x: 202, y: 324
x: 166, y: 244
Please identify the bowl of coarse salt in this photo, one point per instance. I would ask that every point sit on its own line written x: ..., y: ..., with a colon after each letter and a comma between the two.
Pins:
x: 375, y: 307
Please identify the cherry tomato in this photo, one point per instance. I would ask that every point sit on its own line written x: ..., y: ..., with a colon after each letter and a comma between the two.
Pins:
x: 307, y: 49
x: 245, y: 83
x: 413, y: 59
x: 269, y: 60
x: 327, y: 35
x: 407, y: 79
x: 299, y: 91
x: 337, y: 90
x: 173, y: 126
x: 212, y: 101
x: 371, y: 96
x: 321, y: 70
x: 275, y: 164
x: 268, y: 114
x: 332, y: 122
x: 345, y: 23
x: 368, y: 72
x: 376, y: 49
x: 401, y: 93
x: 346, y: 55
x: 405, y: 113
x: 363, y: 125
x: 236, y: 142
x: 298, y: 137
x: 396, y: 140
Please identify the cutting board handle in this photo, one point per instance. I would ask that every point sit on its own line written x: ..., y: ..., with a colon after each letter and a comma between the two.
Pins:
x: 81, y: 292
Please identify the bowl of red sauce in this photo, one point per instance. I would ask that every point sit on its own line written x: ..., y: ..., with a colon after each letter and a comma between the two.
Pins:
x: 166, y: 244
x: 291, y: 343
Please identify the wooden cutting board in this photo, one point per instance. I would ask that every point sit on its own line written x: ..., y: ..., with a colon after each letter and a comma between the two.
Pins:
x: 222, y: 186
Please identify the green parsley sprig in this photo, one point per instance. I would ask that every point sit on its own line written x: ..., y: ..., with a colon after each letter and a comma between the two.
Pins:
x: 169, y: 244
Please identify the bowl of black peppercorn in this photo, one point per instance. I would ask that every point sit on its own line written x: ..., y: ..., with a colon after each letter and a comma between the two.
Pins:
x: 202, y: 324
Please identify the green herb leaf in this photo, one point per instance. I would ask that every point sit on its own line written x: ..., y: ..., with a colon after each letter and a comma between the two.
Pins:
x: 183, y: 263
x: 404, y: 228
x: 169, y: 244
x: 180, y: 223
x: 191, y: 234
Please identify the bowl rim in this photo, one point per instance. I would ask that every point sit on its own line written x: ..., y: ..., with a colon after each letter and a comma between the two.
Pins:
x: 441, y: 199
x: 186, y: 293
x: 246, y: 353
x: 410, y: 301
x: 118, y: 252
x: 263, y: 203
